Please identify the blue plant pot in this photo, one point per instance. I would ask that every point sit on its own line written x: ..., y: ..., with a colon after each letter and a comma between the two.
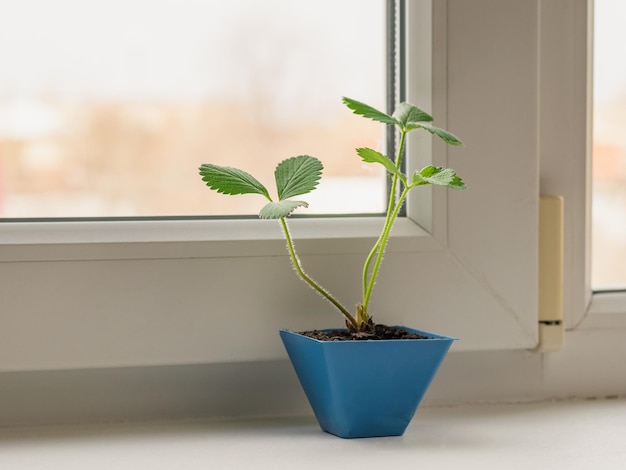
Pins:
x: 365, y: 388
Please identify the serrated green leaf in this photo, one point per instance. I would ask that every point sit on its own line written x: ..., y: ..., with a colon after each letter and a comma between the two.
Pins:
x: 276, y: 210
x: 429, y: 171
x: 408, y: 115
x: 297, y: 175
x: 438, y: 176
x: 456, y: 183
x: 372, y: 156
x: 444, y: 135
x: 228, y: 180
x: 369, y: 112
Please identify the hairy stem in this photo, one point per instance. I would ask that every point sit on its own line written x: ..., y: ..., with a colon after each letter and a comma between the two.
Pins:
x: 305, y: 277
x: 381, y: 248
x: 369, y: 279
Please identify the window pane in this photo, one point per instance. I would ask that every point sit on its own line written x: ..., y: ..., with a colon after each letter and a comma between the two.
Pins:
x: 108, y: 107
x: 609, y: 147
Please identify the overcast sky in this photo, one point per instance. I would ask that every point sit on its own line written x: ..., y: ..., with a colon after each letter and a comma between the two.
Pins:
x: 173, y: 49
x: 191, y: 48
x: 610, y: 50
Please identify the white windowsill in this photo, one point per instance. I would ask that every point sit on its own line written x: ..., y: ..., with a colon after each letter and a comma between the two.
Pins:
x: 606, y: 311
x: 179, y: 239
x: 134, y: 231
x: 553, y: 435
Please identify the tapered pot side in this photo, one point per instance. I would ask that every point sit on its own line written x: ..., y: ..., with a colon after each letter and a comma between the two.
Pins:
x: 365, y: 388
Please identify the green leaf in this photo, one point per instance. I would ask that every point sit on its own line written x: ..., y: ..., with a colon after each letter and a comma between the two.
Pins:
x: 372, y: 156
x: 297, y: 175
x: 439, y: 176
x: 456, y: 183
x: 276, y: 210
x: 409, y: 115
x: 369, y: 112
x: 227, y: 180
x: 446, y: 136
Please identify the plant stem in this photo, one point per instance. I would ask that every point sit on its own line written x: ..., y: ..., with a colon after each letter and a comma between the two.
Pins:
x: 384, y: 238
x: 379, y: 247
x: 305, y: 277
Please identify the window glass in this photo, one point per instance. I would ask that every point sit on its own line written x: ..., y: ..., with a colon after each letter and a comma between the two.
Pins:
x: 609, y: 147
x: 108, y: 107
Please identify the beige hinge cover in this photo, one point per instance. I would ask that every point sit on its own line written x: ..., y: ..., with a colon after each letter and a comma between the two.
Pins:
x: 551, y: 327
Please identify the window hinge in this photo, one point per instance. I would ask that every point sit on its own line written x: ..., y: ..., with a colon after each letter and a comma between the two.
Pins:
x: 551, y: 327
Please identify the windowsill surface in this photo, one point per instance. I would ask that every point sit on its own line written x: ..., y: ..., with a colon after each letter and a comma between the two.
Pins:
x: 568, y: 434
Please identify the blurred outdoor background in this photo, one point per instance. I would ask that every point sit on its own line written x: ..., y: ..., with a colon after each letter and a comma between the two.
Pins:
x: 608, y: 254
x: 107, y: 108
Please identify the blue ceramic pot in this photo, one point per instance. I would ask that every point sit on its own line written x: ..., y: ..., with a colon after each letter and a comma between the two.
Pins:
x: 365, y: 388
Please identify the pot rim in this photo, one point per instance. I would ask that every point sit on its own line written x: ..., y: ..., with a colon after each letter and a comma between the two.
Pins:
x: 431, y: 336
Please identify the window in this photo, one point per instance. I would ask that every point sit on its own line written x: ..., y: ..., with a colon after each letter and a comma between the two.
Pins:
x: 165, y: 292
x: 566, y: 95
x: 108, y: 111
x: 607, y: 306
x: 513, y: 80
x: 609, y: 148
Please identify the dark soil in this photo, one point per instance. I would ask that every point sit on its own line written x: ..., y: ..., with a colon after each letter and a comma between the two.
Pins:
x: 379, y: 332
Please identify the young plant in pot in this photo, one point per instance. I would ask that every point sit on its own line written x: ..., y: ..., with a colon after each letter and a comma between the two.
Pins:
x: 365, y: 380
